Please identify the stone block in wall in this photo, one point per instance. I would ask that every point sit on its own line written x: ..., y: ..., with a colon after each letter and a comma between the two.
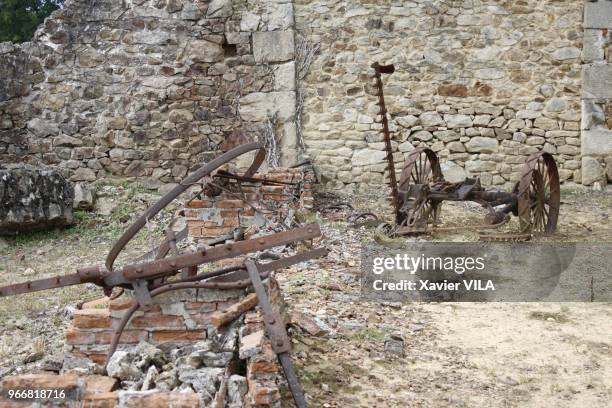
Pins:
x: 596, y: 80
x: 594, y: 42
x: 273, y: 46
x: 592, y: 171
x: 598, y: 14
x: 260, y: 106
x: 596, y: 142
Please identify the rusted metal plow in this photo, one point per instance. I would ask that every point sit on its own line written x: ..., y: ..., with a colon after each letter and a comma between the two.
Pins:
x: 151, y: 277
x: 418, y: 196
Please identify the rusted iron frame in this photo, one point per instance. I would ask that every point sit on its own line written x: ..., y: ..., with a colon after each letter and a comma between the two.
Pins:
x: 379, y: 70
x: 277, y: 333
x: 529, y: 194
x: 194, y: 283
x: 126, y: 276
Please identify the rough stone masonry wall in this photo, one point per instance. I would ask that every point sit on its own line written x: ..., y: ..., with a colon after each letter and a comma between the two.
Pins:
x: 147, y: 88
x: 483, y: 83
x: 597, y: 93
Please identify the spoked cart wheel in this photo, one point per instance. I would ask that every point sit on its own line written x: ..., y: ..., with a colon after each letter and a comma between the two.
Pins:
x: 421, y: 170
x: 539, y: 195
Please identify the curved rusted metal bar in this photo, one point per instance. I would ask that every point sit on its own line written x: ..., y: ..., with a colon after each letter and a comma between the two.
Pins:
x: 206, y: 275
x: 203, y: 171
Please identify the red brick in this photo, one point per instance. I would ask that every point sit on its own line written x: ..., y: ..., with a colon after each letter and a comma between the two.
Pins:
x: 199, y: 204
x: 196, y: 223
x: 248, y: 189
x: 170, y: 336
x: 67, y: 382
x: 210, y: 224
x: 121, y: 303
x: 230, y: 213
x: 157, y: 321
x: 128, y: 336
x: 231, y: 222
x: 76, y: 336
x: 163, y: 400
x: 100, y: 384
x: 263, y: 367
x: 97, y: 304
x: 191, y: 213
x: 202, y: 319
x: 248, y: 212
x: 97, y: 358
x: 92, y: 319
x: 261, y: 393
x: 201, y: 306
x: 194, y: 231
x: 276, y: 197
x: 214, y: 231
x: 229, y: 204
x: 101, y: 400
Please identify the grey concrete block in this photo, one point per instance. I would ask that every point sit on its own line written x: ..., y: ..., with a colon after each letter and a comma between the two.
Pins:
x: 598, y: 14
x: 596, y: 80
x: 593, y: 45
x: 273, y: 46
x: 596, y: 143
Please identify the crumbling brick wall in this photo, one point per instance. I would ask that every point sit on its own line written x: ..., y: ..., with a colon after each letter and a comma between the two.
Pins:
x: 251, y: 204
x: 175, y: 318
x: 176, y: 321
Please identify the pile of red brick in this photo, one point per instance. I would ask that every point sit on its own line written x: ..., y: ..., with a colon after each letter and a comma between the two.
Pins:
x: 175, y: 318
x: 91, y: 391
x: 250, y: 203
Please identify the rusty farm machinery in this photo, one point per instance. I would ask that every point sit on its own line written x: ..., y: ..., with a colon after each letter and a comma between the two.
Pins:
x: 418, y: 195
x: 165, y: 269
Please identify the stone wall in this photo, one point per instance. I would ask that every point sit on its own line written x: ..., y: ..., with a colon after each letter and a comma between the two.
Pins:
x: 597, y: 93
x: 147, y: 88
x: 483, y: 83
x: 150, y: 89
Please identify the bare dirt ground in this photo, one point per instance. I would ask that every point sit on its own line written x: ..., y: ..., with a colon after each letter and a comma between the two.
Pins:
x: 453, y: 354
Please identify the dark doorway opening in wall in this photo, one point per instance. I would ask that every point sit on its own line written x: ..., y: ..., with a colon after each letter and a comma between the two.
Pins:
x: 229, y: 50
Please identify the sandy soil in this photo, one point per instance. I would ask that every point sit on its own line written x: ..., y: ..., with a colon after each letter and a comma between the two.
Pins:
x: 468, y: 354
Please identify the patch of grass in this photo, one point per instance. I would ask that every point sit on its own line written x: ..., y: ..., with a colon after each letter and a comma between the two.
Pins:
x: 307, y: 217
x: 559, y: 317
x: 371, y: 334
